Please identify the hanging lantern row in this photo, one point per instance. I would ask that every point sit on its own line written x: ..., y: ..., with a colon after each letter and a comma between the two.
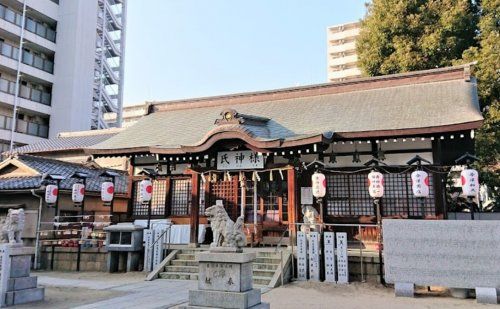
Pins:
x: 419, y: 180
x: 107, y: 192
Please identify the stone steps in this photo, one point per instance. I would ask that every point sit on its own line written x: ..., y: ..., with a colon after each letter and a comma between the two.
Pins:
x: 264, y: 273
x: 179, y: 276
x: 264, y: 266
x: 258, y: 280
x: 267, y: 260
x: 185, y: 256
x: 184, y: 263
x: 182, y: 269
x: 272, y: 254
x: 185, y: 267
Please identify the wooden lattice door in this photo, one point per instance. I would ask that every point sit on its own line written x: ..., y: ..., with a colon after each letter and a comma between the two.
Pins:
x: 227, y: 191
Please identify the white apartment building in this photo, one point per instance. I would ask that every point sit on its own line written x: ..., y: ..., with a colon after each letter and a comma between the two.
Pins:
x: 341, y: 52
x: 61, y: 67
x: 130, y: 114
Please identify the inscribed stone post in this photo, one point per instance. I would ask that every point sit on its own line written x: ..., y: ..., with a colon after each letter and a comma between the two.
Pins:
x: 329, y: 240
x: 148, y: 256
x: 158, y: 245
x: 4, y: 272
x: 342, y: 264
x: 314, y: 256
x: 301, y: 256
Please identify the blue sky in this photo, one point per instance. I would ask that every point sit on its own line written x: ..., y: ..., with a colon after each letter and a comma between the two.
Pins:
x: 191, y: 48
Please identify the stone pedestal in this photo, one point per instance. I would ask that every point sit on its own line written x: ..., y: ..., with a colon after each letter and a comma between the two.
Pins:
x: 225, y: 281
x: 17, y: 286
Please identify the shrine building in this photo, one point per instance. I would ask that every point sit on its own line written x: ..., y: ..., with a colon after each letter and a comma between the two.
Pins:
x: 255, y: 152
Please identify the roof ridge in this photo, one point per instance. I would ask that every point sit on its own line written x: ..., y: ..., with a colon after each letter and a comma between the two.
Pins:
x: 81, y: 165
x: 212, y: 100
x: 89, y: 132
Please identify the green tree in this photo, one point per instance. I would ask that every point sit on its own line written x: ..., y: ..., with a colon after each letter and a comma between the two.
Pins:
x: 399, y: 36
x: 487, y: 72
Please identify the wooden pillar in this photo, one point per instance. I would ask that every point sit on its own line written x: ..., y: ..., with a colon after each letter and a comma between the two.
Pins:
x: 130, y: 189
x: 292, y: 203
x: 194, y: 214
x: 439, y: 180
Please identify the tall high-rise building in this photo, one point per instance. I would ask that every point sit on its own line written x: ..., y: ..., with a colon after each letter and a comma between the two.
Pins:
x: 342, y: 57
x: 61, y: 67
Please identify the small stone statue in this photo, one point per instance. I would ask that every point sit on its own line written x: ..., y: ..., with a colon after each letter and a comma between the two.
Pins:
x: 226, y: 232
x: 310, y: 215
x: 12, y: 227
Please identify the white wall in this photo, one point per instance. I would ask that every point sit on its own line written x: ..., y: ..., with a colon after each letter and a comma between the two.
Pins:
x: 74, y: 66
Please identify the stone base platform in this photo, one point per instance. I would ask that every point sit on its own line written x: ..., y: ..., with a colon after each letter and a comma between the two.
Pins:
x: 259, y: 306
x: 225, y: 281
x: 24, y: 296
x: 223, y: 299
x: 17, y: 286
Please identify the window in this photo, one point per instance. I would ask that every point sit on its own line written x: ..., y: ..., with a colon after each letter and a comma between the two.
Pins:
x: 158, y: 199
x: 347, y: 195
x: 180, y: 201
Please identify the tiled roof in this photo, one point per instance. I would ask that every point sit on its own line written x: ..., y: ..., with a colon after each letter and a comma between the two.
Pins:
x: 68, y: 141
x: 66, y: 169
x: 431, y: 104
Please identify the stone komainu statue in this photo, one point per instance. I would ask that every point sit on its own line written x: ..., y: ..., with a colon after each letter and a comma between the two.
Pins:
x: 310, y: 215
x: 12, y: 227
x: 226, y: 232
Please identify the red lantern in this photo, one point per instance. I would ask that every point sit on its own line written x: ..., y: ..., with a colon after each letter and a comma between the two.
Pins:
x: 470, y: 182
x: 420, y: 183
x: 51, y: 193
x: 318, y: 185
x: 145, y: 190
x: 376, y: 184
x: 107, y: 191
x: 78, y: 192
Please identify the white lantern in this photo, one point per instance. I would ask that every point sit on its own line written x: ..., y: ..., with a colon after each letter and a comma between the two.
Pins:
x: 145, y: 190
x: 78, y: 192
x: 470, y: 182
x: 420, y: 183
x: 376, y: 184
x: 107, y: 191
x: 318, y: 185
x: 51, y: 192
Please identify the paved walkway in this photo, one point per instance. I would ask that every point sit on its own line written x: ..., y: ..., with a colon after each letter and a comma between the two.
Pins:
x: 139, y: 294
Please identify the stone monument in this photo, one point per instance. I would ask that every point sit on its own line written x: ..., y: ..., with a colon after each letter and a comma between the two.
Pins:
x: 16, y: 284
x: 225, y: 273
x: 458, y: 254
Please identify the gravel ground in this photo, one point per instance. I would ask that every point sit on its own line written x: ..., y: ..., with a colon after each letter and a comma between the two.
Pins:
x: 129, y: 290
x: 307, y: 295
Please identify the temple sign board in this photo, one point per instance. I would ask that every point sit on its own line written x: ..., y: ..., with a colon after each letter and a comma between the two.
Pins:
x: 239, y: 160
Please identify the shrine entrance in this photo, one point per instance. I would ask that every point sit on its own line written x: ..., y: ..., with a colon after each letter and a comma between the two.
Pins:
x: 261, y: 197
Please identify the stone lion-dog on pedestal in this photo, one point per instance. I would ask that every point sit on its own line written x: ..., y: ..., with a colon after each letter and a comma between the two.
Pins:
x: 226, y: 232
x: 12, y: 227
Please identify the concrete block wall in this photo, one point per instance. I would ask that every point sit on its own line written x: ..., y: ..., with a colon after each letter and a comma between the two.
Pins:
x: 65, y: 259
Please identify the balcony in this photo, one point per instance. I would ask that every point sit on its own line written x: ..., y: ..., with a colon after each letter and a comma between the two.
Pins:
x: 31, y: 24
x: 25, y: 127
x: 28, y: 58
x: 25, y: 92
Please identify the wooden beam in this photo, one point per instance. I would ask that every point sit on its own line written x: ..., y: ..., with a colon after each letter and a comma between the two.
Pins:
x: 194, y: 215
x: 292, y: 205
